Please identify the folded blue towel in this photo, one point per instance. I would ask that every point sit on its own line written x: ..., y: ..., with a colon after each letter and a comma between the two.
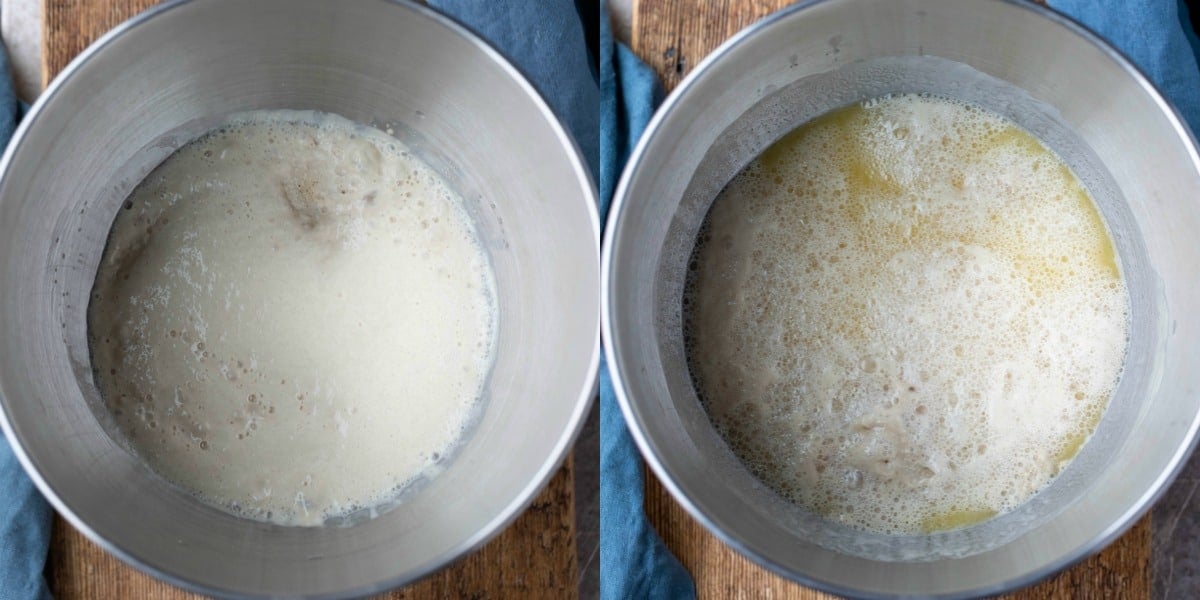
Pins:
x: 24, y: 514
x: 1154, y: 34
x: 545, y: 40
x: 24, y: 529
x: 634, y: 563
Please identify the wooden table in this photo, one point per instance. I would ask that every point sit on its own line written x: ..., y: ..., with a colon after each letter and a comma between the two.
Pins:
x: 672, y: 36
x: 534, y: 558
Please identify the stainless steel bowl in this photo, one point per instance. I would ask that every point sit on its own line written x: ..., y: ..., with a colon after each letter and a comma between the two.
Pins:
x: 160, y: 80
x: 1025, y: 62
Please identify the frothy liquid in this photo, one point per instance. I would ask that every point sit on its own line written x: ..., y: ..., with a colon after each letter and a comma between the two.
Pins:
x: 292, y: 318
x: 907, y: 315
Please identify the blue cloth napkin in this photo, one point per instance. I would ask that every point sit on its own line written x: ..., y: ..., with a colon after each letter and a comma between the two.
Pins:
x: 545, y: 40
x: 24, y: 530
x: 24, y: 514
x: 1155, y: 34
x: 634, y: 563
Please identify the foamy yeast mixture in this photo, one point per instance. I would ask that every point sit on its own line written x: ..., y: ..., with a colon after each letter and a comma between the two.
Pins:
x: 292, y: 318
x: 906, y: 315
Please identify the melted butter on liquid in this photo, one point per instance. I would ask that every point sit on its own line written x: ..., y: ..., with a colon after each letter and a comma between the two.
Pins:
x: 904, y: 308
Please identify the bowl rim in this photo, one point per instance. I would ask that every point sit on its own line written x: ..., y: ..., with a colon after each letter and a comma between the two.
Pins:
x: 611, y: 336
x: 582, y: 404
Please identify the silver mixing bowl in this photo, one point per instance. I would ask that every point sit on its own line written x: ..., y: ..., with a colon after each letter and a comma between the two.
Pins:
x: 162, y: 79
x: 1022, y: 61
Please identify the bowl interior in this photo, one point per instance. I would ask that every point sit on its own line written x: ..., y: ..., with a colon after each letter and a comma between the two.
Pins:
x: 797, y: 103
x: 1076, y: 96
x: 168, y: 77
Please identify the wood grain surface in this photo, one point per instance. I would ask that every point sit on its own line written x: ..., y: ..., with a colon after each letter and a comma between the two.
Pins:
x: 672, y: 36
x: 533, y: 558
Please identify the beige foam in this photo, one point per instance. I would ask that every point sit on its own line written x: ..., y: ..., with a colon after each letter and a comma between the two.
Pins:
x: 293, y: 317
x: 907, y: 315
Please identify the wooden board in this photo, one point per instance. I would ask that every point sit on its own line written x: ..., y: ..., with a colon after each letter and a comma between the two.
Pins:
x: 672, y: 36
x: 534, y: 558
x: 1121, y: 571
